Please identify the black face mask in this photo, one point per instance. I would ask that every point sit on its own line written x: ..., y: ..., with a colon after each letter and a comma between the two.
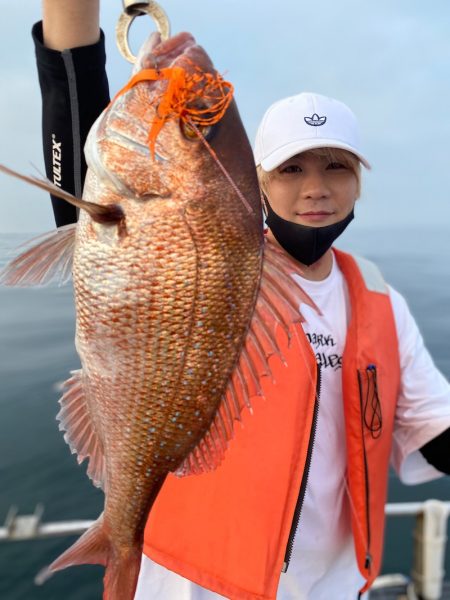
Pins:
x: 306, y: 244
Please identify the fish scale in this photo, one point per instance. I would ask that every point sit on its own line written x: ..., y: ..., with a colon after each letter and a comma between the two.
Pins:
x: 211, y: 270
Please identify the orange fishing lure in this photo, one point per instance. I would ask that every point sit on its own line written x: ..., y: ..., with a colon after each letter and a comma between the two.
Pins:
x: 197, y: 98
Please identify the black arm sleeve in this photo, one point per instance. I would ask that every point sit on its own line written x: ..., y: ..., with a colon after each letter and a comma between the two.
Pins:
x: 74, y: 91
x: 437, y: 452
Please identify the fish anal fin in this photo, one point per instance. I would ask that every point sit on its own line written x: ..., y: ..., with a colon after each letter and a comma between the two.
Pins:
x: 277, y: 305
x: 46, y: 260
x: 95, y: 547
x: 91, y: 548
x: 76, y: 420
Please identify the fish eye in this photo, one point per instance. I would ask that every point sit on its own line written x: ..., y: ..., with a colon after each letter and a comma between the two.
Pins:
x: 191, y: 134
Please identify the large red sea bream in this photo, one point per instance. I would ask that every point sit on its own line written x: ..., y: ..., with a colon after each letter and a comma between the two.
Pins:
x: 177, y: 295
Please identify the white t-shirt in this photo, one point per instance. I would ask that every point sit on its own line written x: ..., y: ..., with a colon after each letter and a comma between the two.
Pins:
x: 323, y: 562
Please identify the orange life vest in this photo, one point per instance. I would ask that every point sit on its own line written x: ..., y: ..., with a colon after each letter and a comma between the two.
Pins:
x: 228, y: 530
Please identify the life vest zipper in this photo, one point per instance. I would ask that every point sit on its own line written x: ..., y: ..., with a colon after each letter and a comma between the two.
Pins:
x: 301, y: 495
x: 368, y: 559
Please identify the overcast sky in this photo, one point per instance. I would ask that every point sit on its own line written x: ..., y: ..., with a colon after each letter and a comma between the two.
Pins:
x: 389, y: 61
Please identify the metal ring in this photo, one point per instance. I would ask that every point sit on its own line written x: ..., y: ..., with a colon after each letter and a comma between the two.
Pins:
x: 136, y: 9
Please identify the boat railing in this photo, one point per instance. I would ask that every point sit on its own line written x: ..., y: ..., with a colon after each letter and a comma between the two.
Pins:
x: 430, y: 541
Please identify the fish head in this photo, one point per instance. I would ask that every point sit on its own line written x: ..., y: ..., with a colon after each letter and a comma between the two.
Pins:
x: 174, y: 141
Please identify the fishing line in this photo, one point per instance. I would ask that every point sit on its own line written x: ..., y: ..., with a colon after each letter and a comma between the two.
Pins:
x: 221, y: 167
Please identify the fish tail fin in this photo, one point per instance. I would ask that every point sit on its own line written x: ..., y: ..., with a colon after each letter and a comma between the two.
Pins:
x: 121, y: 575
x: 93, y: 547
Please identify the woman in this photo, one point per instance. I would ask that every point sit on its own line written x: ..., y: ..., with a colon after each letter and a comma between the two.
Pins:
x: 315, y: 454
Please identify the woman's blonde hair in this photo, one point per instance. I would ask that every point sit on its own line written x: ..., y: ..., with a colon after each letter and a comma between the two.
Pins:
x: 348, y: 159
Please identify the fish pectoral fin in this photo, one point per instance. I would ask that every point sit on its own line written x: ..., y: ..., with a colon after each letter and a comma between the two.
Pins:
x: 47, y: 260
x: 277, y: 305
x: 75, y: 419
x: 111, y: 214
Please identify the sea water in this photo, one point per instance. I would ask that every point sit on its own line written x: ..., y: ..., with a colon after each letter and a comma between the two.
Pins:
x: 37, y: 351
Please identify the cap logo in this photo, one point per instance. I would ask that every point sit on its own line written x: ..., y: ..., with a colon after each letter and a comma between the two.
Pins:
x: 315, y: 120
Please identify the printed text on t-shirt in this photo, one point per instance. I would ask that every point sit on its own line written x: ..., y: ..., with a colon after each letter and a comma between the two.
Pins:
x: 325, y: 360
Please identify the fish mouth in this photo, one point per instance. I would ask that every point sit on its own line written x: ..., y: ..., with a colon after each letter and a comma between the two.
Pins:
x: 174, y: 46
x: 155, y: 54
x: 180, y: 50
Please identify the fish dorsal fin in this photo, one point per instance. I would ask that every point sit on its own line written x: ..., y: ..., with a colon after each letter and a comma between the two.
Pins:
x: 75, y: 419
x: 46, y: 260
x: 277, y: 305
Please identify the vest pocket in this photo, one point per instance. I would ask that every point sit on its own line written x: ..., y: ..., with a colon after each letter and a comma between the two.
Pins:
x: 370, y: 400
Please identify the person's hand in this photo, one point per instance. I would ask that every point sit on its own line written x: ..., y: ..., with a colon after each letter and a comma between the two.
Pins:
x: 70, y: 23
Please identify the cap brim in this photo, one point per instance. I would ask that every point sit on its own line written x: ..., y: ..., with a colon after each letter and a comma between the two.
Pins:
x: 276, y: 158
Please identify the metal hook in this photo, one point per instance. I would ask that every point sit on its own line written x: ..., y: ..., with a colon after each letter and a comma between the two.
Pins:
x: 133, y: 9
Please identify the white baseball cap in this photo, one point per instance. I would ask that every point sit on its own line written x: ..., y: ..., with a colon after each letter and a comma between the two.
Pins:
x: 304, y: 122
